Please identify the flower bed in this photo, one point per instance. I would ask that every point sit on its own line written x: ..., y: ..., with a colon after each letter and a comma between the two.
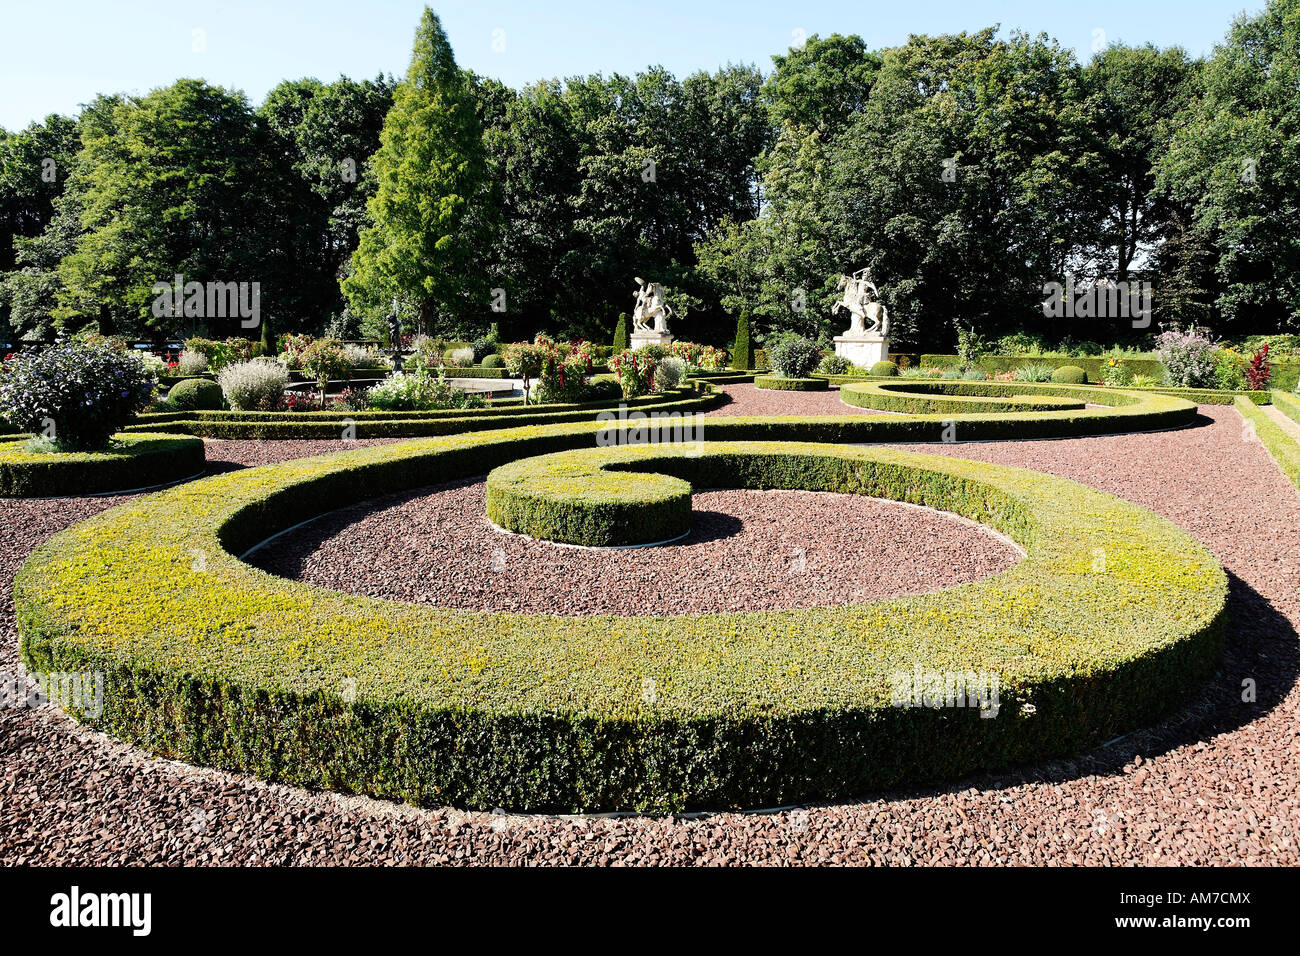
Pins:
x: 133, y: 461
x: 245, y: 671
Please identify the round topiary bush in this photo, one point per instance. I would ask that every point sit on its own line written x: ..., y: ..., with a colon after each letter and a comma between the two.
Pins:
x: 834, y: 365
x: 884, y: 368
x: 1069, y: 375
x: 74, y: 394
x: 794, y: 357
x: 196, y: 395
x: 493, y: 361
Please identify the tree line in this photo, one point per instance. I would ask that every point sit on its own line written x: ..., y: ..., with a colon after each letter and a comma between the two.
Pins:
x: 965, y: 170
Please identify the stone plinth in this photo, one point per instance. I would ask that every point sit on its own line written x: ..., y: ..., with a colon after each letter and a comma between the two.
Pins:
x: 640, y: 340
x: 862, y: 350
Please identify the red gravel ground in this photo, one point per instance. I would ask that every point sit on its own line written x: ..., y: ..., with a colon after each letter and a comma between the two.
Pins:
x: 1217, y: 784
x: 747, y: 550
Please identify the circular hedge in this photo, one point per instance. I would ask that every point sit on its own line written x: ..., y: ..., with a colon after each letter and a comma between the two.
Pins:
x: 1112, y: 618
x: 133, y: 461
x: 782, y: 384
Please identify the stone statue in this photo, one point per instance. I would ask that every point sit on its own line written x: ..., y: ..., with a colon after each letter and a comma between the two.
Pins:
x: 862, y: 300
x: 867, y: 340
x: 650, y: 306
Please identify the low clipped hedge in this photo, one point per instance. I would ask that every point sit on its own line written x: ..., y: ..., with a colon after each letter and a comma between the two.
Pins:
x: 571, y: 497
x: 246, y: 671
x: 133, y: 462
x: 918, y: 396
x: 1284, y: 448
x: 422, y: 424
x: 782, y: 384
x: 1288, y: 404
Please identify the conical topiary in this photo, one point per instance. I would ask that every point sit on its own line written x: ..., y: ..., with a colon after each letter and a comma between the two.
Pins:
x: 620, y: 333
x: 742, y: 353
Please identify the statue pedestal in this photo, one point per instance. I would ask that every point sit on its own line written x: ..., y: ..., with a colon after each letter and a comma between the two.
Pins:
x: 863, y: 350
x: 640, y: 340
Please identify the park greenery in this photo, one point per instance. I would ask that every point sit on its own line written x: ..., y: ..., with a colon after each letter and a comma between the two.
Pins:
x: 965, y: 170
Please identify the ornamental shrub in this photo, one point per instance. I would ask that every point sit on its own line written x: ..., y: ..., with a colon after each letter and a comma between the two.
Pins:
x: 1229, y: 369
x: 324, y: 360
x: 794, y: 357
x: 493, y: 361
x: 1069, y: 375
x: 1033, y: 372
x: 462, y: 357
x: 524, y: 360
x: 834, y: 365
x: 669, y: 373
x: 75, y: 393
x: 884, y: 368
x: 257, y: 385
x: 742, y: 353
x: 620, y: 333
x: 292, y: 347
x: 634, y: 370
x: 1188, y: 358
x: 1258, y: 369
x: 1115, y: 372
x: 195, y: 395
x: 191, y: 363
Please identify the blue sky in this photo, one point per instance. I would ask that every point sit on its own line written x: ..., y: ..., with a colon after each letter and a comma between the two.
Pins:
x: 55, y: 55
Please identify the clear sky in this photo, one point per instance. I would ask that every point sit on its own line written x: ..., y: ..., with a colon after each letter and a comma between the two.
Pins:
x: 56, y: 54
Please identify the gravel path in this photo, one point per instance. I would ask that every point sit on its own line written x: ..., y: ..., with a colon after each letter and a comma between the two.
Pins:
x: 1218, y: 784
x: 747, y: 550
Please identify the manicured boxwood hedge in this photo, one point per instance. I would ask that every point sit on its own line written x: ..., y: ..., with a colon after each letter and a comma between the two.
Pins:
x: 1288, y: 404
x: 929, y: 397
x: 783, y: 384
x: 224, y: 665
x: 1285, y: 373
x: 328, y: 425
x: 1284, y: 449
x: 134, y: 461
x: 571, y: 497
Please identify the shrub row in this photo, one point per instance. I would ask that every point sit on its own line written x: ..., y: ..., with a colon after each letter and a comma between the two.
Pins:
x: 1284, y: 449
x: 1285, y: 374
x: 1288, y: 404
x: 329, y: 424
x: 132, y: 462
x: 919, y: 396
x: 781, y: 384
x: 245, y: 671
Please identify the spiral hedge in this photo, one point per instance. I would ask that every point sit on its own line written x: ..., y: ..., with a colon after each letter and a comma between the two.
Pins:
x: 1112, y: 618
x: 133, y: 461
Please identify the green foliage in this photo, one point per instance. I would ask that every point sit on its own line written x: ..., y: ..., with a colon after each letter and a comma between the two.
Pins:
x: 1284, y: 449
x: 742, y: 351
x: 75, y: 394
x: 1033, y: 372
x: 1069, y: 375
x: 429, y: 231
x: 834, y: 365
x: 794, y: 356
x: 620, y: 333
x: 196, y: 394
x: 493, y: 361
x: 884, y: 368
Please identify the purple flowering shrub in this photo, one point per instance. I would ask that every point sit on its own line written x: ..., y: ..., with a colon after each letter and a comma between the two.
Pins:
x: 75, y: 393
